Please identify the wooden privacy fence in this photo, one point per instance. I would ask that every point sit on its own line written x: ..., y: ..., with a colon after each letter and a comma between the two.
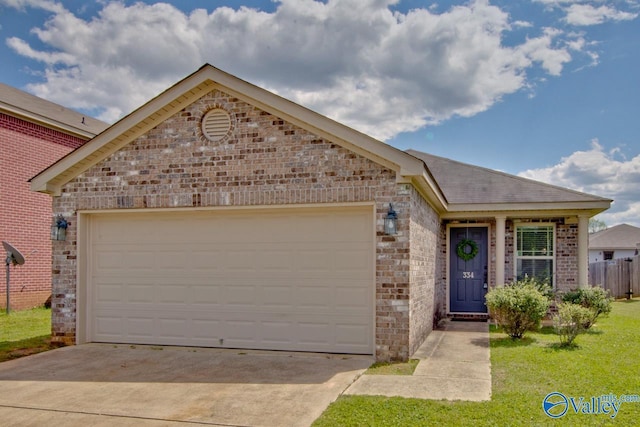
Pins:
x: 618, y: 276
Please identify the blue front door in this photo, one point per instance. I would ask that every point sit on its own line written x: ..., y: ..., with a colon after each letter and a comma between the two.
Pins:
x: 468, y: 275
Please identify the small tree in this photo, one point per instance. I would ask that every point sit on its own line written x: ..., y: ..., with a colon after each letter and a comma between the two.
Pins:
x: 596, y: 225
x: 517, y: 307
x: 570, y: 321
x: 596, y: 299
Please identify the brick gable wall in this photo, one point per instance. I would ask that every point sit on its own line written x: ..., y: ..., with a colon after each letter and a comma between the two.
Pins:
x: 264, y: 161
x: 26, y: 217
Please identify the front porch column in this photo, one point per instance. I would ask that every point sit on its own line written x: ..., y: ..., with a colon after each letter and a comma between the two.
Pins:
x: 500, y: 248
x: 583, y: 251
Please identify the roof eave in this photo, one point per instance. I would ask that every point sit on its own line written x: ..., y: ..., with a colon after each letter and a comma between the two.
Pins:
x: 527, y: 210
x: 143, y: 119
x: 45, y: 121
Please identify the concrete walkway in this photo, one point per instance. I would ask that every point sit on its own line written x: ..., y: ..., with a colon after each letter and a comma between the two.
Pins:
x: 454, y: 365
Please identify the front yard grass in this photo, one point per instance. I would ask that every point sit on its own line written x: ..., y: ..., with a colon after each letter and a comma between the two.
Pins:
x: 24, y: 332
x: 604, y: 360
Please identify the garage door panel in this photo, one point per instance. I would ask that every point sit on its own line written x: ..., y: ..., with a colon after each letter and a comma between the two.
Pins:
x: 313, y: 297
x: 138, y: 260
x: 171, y: 327
x: 109, y: 327
x: 139, y: 293
x: 109, y: 291
x: 205, y: 260
x: 276, y: 297
x: 139, y: 327
x: 109, y: 259
x: 173, y: 294
x: 274, y: 259
x: 352, y: 297
x: 346, y: 333
x: 205, y: 295
x: 239, y: 333
x: 239, y: 296
x: 352, y: 260
x: 206, y: 330
x: 286, y: 280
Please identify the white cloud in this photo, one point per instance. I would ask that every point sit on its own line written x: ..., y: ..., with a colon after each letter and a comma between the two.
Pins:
x: 604, y: 173
x: 356, y: 61
x: 586, y: 14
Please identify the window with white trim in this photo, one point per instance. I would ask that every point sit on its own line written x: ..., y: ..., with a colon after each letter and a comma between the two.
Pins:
x: 535, y: 251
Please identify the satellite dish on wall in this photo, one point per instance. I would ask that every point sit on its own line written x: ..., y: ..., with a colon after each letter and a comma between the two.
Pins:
x: 13, y: 255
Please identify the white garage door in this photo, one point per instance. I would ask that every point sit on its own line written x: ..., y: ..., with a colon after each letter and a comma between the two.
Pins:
x: 282, y: 279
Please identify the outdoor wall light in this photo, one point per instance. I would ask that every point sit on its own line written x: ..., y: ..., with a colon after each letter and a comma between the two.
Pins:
x: 391, y: 222
x: 59, y: 228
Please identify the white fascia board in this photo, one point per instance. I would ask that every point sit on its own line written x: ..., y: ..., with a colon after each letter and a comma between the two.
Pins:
x: 528, y: 213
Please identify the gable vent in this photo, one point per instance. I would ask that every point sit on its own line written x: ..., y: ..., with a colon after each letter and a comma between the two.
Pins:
x: 216, y: 124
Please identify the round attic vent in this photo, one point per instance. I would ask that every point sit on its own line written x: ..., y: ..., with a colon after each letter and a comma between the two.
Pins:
x: 216, y: 124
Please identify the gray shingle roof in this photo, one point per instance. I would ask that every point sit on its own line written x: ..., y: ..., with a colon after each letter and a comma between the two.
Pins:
x: 468, y: 184
x: 623, y: 236
x: 29, y: 107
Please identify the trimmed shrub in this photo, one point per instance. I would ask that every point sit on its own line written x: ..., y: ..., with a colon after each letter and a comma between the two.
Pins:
x: 542, y: 285
x: 570, y: 321
x: 517, y: 307
x: 595, y: 298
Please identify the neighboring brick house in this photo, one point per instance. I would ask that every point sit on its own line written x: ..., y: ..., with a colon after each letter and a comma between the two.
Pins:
x: 222, y: 215
x: 34, y: 133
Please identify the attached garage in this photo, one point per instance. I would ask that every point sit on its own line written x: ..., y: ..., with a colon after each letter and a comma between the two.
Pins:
x: 222, y: 215
x: 300, y: 279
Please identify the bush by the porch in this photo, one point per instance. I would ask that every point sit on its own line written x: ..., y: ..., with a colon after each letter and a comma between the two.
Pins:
x: 596, y: 299
x: 517, y: 307
x: 569, y: 321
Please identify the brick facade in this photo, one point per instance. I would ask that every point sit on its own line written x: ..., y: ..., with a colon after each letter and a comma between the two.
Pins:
x: 27, y: 149
x: 264, y: 161
x: 267, y: 161
x: 426, y: 304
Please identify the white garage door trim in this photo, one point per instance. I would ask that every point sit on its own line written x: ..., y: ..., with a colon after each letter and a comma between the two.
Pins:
x: 247, y: 301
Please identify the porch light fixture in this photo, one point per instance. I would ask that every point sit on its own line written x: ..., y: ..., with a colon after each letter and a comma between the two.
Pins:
x: 59, y: 228
x: 391, y: 222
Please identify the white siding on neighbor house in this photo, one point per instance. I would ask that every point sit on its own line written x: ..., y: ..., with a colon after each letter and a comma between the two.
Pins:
x: 279, y: 279
x: 598, y: 255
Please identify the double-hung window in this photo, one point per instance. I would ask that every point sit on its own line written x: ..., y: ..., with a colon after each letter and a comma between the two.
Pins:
x: 535, y: 251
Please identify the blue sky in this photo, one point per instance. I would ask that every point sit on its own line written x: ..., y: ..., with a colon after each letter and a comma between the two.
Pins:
x: 546, y: 89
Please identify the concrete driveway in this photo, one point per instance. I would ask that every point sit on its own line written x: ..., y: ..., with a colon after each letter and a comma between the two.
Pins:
x: 123, y: 385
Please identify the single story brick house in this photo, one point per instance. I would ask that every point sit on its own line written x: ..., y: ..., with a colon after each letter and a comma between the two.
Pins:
x: 34, y: 133
x: 222, y: 215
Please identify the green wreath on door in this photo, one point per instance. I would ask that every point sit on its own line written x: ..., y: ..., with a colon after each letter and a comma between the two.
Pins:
x: 467, y: 249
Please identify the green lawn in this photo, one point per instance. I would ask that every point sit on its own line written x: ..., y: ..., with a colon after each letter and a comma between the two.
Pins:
x: 24, y: 332
x: 606, y: 360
